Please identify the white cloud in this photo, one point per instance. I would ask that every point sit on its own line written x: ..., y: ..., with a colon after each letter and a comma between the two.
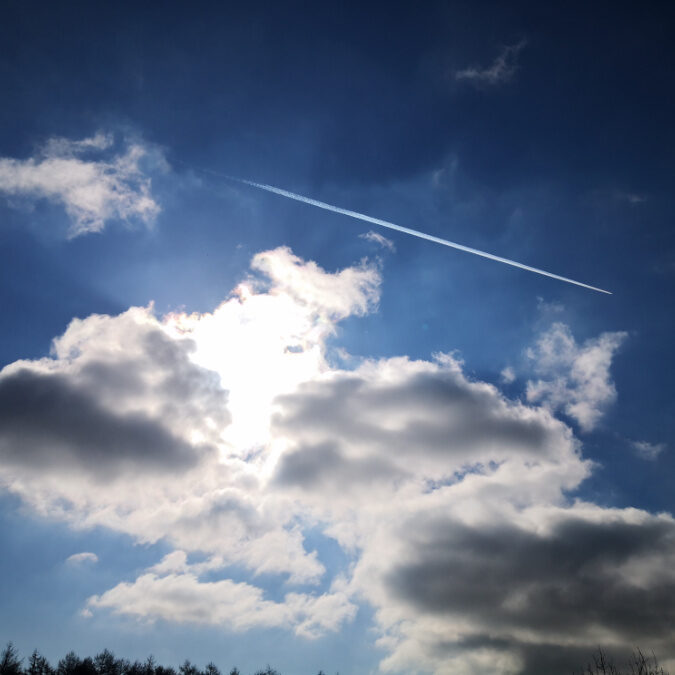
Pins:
x: 508, y: 375
x: 646, y: 450
x: 127, y: 401
x: 453, y: 499
x: 500, y: 71
x: 229, y: 436
x: 232, y: 605
x: 81, y: 558
x: 574, y: 378
x: 377, y: 238
x: 94, y: 184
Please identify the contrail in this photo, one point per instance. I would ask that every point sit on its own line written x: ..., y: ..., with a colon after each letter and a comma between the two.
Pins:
x: 400, y: 228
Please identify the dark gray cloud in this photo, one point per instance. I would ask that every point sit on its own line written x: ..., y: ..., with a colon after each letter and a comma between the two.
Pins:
x: 121, y: 396
x: 365, y: 427
x: 46, y: 421
x: 326, y: 466
x: 440, y: 413
x: 572, y: 580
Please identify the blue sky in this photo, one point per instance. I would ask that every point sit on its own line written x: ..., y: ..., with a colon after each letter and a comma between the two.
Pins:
x: 282, y: 439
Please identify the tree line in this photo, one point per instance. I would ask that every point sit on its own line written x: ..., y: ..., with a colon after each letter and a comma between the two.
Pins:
x: 105, y: 663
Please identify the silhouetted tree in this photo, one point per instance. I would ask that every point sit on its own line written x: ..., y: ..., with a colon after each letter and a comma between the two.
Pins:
x: 188, y: 669
x: 149, y: 666
x: 107, y: 664
x: 38, y: 665
x: 68, y: 665
x: 268, y: 671
x: 10, y: 663
x: 638, y: 665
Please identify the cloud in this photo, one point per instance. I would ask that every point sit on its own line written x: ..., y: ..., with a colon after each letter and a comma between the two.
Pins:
x: 93, y: 183
x: 237, y: 606
x: 82, y: 558
x: 378, y: 239
x: 230, y: 436
x: 501, y: 71
x: 552, y: 579
x: 159, y: 424
x: 398, y: 418
x: 646, y: 450
x: 118, y: 397
x: 574, y: 378
x: 454, y: 499
x: 508, y: 375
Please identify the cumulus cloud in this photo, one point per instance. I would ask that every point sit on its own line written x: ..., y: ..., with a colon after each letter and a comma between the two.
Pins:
x: 82, y: 558
x: 396, y: 418
x: 501, y: 71
x: 554, y: 580
x: 93, y: 182
x: 229, y: 435
x: 118, y: 396
x: 238, y: 606
x: 454, y: 499
x: 574, y: 378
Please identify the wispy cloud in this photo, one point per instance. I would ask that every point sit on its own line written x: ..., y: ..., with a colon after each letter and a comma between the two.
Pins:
x: 501, y: 71
x: 646, y: 450
x: 81, y: 558
x: 377, y: 238
x: 90, y: 178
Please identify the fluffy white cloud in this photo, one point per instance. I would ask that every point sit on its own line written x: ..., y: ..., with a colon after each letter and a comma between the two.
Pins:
x: 236, y: 606
x: 94, y: 184
x: 574, y: 378
x: 229, y: 435
x: 160, y: 425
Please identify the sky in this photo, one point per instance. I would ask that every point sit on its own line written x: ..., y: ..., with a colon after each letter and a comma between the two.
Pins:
x: 239, y: 428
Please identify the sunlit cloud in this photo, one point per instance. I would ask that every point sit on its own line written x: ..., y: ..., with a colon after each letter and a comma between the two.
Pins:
x: 574, y: 378
x: 94, y: 181
x: 230, y: 436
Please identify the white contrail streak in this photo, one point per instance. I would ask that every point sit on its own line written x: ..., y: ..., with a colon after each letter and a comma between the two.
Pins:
x: 399, y: 228
x: 407, y: 230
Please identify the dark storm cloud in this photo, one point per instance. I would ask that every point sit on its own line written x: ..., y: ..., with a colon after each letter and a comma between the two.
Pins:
x: 46, y: 422
x: 536, y: 659
x: 579, y: 576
